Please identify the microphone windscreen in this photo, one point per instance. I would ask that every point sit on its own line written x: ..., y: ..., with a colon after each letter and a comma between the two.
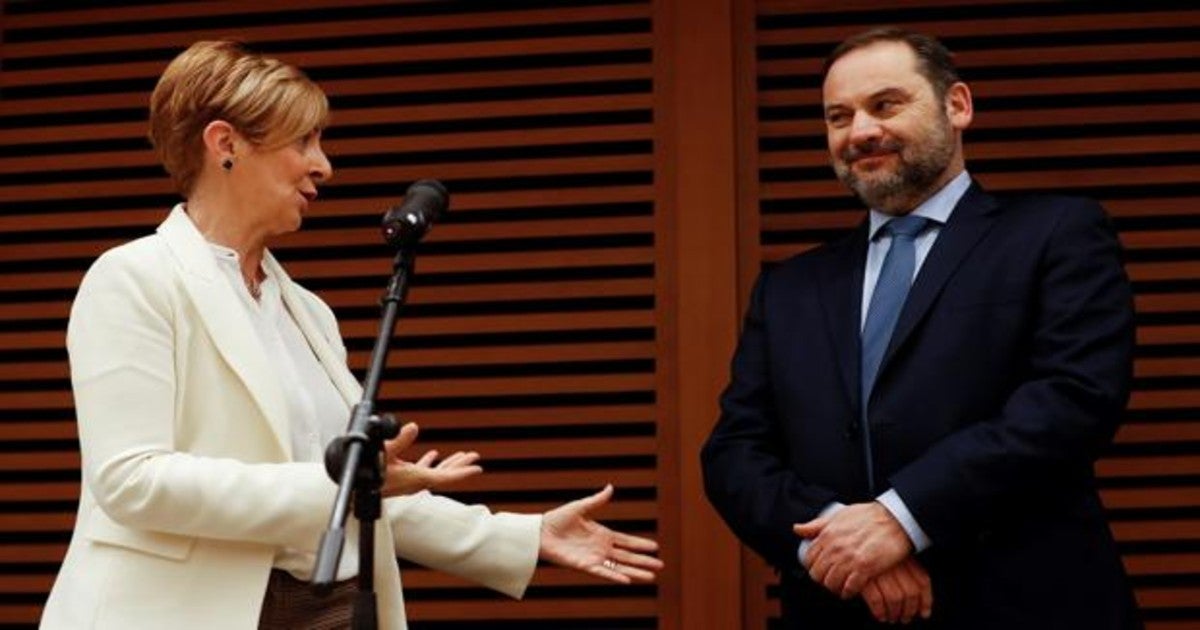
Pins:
x: 425, y: 202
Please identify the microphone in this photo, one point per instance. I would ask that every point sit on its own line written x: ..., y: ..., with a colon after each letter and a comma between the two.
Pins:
x: 425, y: 202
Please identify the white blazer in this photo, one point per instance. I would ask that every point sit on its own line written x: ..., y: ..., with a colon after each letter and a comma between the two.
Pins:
x: 188, y: 484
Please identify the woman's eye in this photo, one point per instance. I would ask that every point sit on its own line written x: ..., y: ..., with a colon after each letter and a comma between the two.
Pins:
x: 307, y: 139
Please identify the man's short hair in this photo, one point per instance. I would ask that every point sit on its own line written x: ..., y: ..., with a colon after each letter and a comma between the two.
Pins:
x: 934, y: 61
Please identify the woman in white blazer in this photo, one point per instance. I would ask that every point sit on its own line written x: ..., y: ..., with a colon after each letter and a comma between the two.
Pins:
x: 206, y: 383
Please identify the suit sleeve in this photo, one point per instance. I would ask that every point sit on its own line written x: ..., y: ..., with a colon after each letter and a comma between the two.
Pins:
x: 121, y: 340
x: 1058, y: 419
x: 746, y: 476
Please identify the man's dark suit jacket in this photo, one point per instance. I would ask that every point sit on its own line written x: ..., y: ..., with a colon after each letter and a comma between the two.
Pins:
x: 1007, y: 374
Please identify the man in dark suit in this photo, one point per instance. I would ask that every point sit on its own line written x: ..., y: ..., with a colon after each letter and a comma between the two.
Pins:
x: 914, y: 411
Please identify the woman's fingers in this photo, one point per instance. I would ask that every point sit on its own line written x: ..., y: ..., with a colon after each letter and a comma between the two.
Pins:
x: 397, y: 445
x: 635, y: 560
x: 427, y: 459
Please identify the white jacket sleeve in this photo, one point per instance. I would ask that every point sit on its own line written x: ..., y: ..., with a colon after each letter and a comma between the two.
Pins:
x: 497, y: 550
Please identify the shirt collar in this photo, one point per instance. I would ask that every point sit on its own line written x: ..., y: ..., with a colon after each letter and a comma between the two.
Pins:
x: 936, y: 208
x: 228, y: 259
x: 222, y: 252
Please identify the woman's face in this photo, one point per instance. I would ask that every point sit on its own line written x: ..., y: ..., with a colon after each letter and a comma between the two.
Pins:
x: 281, y: 182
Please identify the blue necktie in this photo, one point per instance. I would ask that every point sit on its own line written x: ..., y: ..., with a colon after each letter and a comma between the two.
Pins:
x: 891, y: 289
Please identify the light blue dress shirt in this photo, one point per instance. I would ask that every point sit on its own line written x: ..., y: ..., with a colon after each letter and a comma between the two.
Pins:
x: 937, y: 209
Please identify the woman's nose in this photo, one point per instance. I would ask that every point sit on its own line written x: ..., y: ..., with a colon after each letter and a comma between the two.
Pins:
x: 321, y: 169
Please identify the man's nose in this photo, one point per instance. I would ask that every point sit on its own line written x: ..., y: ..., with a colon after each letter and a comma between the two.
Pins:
x: 864, y: 128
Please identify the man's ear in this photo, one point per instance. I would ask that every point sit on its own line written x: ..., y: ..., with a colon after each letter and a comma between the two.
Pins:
x: 960, y: 109
x: 220, y: 141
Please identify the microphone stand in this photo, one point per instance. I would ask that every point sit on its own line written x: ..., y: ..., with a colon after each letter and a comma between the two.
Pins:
x: 355, y: 462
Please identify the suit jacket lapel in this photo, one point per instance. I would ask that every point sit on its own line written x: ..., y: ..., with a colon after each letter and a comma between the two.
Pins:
x: 841, y: 294
x: 225, y: 320
x: 973, y: 216
x: 333, y: 363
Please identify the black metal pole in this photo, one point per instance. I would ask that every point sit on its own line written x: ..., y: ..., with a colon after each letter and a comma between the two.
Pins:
x: 355, y: 462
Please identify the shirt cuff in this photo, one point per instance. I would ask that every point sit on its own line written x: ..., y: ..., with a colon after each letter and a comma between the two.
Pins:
x: 806, y: 543
x: 894, y: 504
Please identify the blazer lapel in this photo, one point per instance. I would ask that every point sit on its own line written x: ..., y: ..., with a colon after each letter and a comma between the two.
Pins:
x: 226, y: 322
x: 841, y: 294
x: 971, y: 220
x: 333, y: 363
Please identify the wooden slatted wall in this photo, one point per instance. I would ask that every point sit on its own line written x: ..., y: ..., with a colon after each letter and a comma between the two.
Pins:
x: 1070, y: 97
x: 530, y: 332
x: 542, y: 325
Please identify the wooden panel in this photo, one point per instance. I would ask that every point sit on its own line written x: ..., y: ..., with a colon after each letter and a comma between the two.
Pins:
x: 1096, y: 100
x: 699, y: 195
x: 533, y: 326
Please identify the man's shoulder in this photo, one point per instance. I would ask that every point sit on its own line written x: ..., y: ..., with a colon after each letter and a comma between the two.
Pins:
x: 1047, y: 207
x: 834, y: 252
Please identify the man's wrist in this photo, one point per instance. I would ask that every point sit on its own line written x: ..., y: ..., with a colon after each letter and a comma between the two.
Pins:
x: 895, y: 506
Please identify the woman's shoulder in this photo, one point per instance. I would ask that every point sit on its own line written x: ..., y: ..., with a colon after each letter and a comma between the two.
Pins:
x: 316, y: 306
x: 141, y: 262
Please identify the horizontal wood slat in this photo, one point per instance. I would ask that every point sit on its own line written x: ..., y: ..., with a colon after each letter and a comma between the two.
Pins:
x: 1072, y: 20
x: 1017, y: 57
x: 135, y: 14
x: 16, y: 194
x: 1073, y: 86
x: 1048, y: 117
x: 367, y: 237
x: 68, y: 131
x: 339, y: 58
x: 413, y: 85
x: 531, y: 609
x: 297, y: 32
x: 462, y: 202
x: 1042, y: 179
x: 63, y: 163
x: 1131, y: 147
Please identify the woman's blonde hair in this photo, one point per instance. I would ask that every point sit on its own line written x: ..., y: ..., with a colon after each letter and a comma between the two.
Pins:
x: 269, y: 102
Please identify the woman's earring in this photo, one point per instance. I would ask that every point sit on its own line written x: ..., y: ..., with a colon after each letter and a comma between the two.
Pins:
x: 227, y: 164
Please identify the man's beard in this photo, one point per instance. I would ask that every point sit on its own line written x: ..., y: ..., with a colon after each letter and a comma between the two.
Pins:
x: 919, y: 167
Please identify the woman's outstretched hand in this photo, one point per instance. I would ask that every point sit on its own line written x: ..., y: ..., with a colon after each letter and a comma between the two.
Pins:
x: 570, y: 538
x: 405, y: 477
